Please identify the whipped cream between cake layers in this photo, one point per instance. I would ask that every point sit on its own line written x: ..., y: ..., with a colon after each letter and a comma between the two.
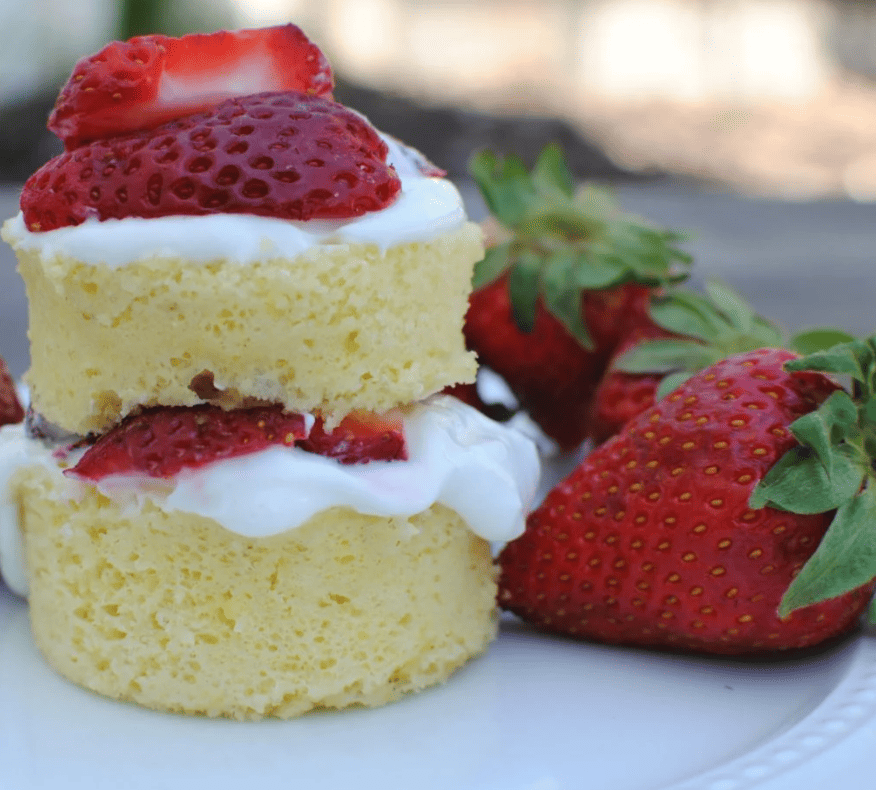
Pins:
x: 485, y: 471
x: 426, y: 207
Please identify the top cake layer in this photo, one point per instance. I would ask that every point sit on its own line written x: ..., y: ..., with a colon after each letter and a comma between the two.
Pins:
x: 226, y: 233
x: 320, y: 316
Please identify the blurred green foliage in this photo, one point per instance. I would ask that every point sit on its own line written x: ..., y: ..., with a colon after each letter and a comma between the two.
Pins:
x: 173, y: 17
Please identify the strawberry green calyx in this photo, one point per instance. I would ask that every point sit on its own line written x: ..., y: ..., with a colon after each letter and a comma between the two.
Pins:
x: 563, y: 241
x: 710, y: 328
x: 832, y: 469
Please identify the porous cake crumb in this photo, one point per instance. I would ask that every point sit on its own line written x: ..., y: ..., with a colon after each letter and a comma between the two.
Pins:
x: 341, y: 327
x: 177, y: 613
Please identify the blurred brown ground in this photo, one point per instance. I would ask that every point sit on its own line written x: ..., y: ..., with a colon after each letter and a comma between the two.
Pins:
x: 825, y: 147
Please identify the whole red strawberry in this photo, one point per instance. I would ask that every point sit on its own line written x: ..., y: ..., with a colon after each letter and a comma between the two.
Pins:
x: 549, y: 371
x: 683, y: 333
x: 621, y: 395
x: 679, y: 532
x: 284, y: 155
x: 555, y: 294
x: 149, y: 80
x: 11, y: 411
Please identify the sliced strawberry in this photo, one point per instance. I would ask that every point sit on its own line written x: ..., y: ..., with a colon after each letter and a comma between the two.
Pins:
x: 11, y: 410
x: 161, y: 441
x: 359, y: 438
x: 150, y: 80
x: 283, y: 155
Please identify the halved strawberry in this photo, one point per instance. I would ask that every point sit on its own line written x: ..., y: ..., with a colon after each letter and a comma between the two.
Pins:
x: 150, y: 80
x: 161, y: 441
x: 360, y: 437
x: 284, y: 155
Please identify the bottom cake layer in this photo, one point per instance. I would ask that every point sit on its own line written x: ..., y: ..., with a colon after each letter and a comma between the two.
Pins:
x: 176, y: 613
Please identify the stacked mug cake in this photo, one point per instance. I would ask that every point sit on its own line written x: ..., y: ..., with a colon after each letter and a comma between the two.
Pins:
x: 238, y: 491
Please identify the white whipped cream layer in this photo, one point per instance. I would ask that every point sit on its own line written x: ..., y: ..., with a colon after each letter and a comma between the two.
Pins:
x: 488, y: 473
x: 425, y: 208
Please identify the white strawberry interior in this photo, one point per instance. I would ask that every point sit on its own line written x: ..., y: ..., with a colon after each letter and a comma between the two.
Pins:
x: 255, y: 73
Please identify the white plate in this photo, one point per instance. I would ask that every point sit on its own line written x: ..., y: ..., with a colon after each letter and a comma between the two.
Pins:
x: 534, y: 713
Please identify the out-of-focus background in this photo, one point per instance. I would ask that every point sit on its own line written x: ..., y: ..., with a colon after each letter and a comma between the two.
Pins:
x: 751, y: 123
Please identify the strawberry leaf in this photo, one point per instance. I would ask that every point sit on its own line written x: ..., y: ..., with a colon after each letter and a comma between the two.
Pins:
x: 664, y: 356
x: 851, y: 359
x: 551, y: 174
x: 818, y: 339
x: 767, y: 334
x: 833, y: 468
x: 646, y: 252
x: 504, y: 185
x: 671, y: 383
x: 828, y: 425
x: 801, y: 482
x: 557, y: 224
x: 562, y: 298
x: 685, y: 313
x: 545, y: 214
x: 845, y: 558
x: 596, y: 271
x: 523, y: 288
x: 490, y: 267
x: 737, y: 311
x: 723, y: 320
x: 708, y: 328
x: 869, y: 410
x: 825, y: 470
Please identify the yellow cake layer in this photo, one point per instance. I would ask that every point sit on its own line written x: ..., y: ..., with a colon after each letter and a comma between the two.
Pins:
x: 177, y: 613
x: 341, y: 327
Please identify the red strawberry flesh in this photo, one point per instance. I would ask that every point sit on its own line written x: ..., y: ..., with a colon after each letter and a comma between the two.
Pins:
x: 284, y: 155
x: 11, y: 410
x: 651, y: 540
x: 164, y: 440
x: 150, y: 80
x: 160, y: 442
x: 359, y: 438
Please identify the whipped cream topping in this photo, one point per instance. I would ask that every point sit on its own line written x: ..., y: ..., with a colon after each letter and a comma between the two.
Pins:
x: 486, y: 472
x: 425, y: 208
